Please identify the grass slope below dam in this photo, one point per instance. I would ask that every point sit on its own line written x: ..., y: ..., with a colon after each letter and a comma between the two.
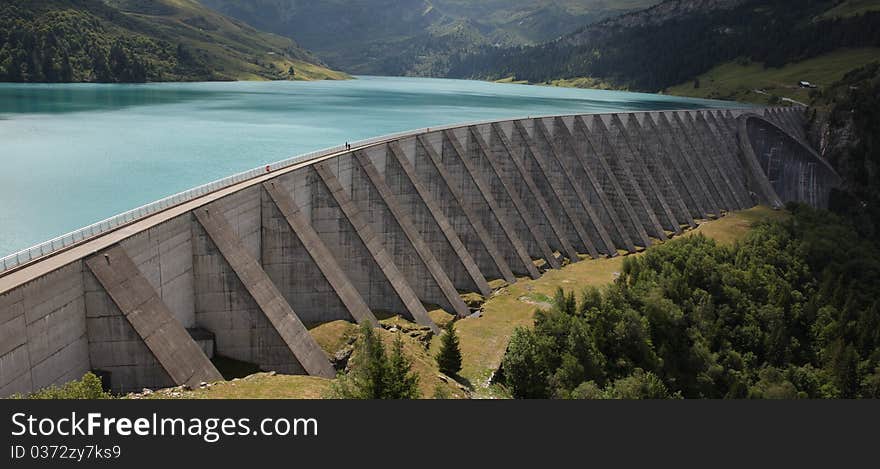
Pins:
x: 483, y: 339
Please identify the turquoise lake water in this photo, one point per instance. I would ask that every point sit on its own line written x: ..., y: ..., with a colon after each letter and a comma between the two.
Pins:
x: 72, y: 155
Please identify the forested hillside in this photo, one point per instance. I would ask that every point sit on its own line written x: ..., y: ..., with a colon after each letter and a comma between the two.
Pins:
x: 138, y: 41
x: 790, y: 312
x: 417, y: 37
x: 678, y: 40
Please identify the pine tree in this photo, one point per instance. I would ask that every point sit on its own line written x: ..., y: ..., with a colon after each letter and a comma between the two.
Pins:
x: 376, y: 376
x: 375, y: 364
x: 449, y: 358
x: 401, y: 382
x: 366, y: 379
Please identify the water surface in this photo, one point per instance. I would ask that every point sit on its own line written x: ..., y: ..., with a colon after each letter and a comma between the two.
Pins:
x: 71, y: 155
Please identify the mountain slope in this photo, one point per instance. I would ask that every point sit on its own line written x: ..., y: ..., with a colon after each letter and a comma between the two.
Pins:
x: 138, y: 41
x: 416, y: 37
x: 746, y: 81
x: 845, y: 128
x: 678, y: 40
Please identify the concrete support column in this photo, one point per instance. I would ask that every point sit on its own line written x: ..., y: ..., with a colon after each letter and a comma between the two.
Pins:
x: 434, y: 227
x: 657, y: 203
x: 374, y: 246
x: 680, y: 150
x: 524, y: 187
x: 232, y: 253
x: 571, y: 195
x: 714, y: 144
x: 698, y: 160
x: 310, y: 265
x: 486, y: 204
x: 756, y: 176
x: 171, y: 346
x: 728, y: 147
x: 424, y: 264
x: 584, y: 179
x: 470, y: 227
x: 678, y: 171
x: 538, y: 160
x: 727, y: 125
x: 319, y: 207
x: 596, y: 157
x: 708, y: 160
x: 620, y: 165
x: 650, y: 152
x: 531, y: 230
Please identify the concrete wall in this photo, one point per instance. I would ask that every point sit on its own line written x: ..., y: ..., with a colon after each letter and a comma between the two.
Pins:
x: 224, y: 307
x: 388, y: 228
x: 783, y: 169
x: 295, y: 271
x: 43, y: 332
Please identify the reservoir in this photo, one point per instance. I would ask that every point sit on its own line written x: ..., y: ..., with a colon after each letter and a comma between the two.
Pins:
x: 74, y: 154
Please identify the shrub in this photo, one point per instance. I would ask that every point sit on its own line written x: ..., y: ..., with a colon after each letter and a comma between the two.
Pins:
x: 89, y: 387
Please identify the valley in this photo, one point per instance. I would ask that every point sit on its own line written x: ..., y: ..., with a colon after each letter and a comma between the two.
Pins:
x: 417, y: 38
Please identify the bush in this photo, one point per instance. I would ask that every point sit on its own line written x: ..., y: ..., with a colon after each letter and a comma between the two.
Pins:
x: 89, y: 387
x: 441, y: 392
x: 525, y: 365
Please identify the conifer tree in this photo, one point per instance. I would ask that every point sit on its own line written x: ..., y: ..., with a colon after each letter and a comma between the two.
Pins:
x: 374, y: 375
x: 401, y: 382
x: 449, y: 358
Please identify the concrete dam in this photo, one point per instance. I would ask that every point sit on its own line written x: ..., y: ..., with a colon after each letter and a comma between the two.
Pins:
x: 394, y: 225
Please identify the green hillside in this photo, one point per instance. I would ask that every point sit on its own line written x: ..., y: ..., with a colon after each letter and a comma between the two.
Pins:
x: 139, y: 41
x: 752, y: 82
x: 679, y: 40
x: 416, y: 37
